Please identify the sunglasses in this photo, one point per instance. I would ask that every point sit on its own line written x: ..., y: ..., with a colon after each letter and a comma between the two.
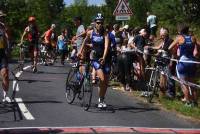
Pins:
x: 99, y: 23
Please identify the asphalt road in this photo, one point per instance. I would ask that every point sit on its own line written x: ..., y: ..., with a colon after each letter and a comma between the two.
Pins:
x: 41, y: 103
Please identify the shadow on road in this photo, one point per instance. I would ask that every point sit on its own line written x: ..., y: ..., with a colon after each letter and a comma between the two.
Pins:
x: 11, y: 108
x: 31, y: 81
x: 32, y: 131
x: 115, y: 108
x: 43, y: 72
x: 45, y: 101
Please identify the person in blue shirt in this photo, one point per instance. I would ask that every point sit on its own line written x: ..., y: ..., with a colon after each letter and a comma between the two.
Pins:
x: 62, y: 45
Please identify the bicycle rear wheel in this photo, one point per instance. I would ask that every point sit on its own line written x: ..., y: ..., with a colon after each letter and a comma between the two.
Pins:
x: 70, y: 92
x: 88, y: 90
x: 21, y: 59
x: 152, y: 88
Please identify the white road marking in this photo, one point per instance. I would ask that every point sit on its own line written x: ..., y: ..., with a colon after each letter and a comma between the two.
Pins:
x: 19, y: 101
x: 18, y: 74
x: 26, y: 67
x: 24, y: 109
x: 15, y: 86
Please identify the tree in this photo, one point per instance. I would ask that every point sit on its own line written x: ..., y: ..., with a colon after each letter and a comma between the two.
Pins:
x: 83, y: 3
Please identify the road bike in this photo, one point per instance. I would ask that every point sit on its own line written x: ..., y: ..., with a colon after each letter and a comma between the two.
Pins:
x: 160, y: 67
x: 79, y: 85
x: 23, y: 49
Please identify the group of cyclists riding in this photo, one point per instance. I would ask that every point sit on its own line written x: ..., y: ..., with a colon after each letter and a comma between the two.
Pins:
x: 100, y: 43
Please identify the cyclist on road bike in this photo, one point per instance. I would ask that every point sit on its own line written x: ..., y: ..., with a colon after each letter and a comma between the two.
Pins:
x: 4, y: 58
x: 32, y: 36
x: 100, y: 55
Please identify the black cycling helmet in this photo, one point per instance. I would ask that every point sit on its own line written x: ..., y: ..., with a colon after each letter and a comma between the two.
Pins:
x: 99, y: 16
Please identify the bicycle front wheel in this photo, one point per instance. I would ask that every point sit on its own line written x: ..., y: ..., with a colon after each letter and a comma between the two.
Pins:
x: 88, y: 90
x: 70, y: 93
x: 152, y: 88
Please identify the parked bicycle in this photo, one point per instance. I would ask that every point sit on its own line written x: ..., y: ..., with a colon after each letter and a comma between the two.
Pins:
x: 159, y: 68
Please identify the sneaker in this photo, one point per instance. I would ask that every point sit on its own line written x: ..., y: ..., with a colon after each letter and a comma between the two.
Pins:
x: 6, y: 99
x: 127, y: 87
x: 102, y: 103
x: 93, y: 81
x: 188, y: 104
x: 34, y: 70
x: 145, y: 94
x: 183, y: 100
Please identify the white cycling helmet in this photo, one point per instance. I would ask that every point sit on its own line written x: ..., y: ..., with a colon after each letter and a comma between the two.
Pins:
x: 53, y: 25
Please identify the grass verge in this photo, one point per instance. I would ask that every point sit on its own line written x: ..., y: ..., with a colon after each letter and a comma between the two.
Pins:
x: 174, y: 105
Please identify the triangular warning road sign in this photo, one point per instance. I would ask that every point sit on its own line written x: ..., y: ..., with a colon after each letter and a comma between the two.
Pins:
x: 122, y: 9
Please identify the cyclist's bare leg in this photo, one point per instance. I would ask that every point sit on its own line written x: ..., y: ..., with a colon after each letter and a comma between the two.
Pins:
x: 102, y: 84
x: 193, y: 94
x: 5, y: 81
x: 185, y: 90
x: 35, y: 58
x: 93, y: 75
x: 32, y: 57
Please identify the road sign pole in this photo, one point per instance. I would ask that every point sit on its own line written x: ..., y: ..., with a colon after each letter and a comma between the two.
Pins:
x: 123, y: 23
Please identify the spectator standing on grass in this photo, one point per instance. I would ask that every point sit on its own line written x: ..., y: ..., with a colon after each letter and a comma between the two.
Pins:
x: 186, y: 70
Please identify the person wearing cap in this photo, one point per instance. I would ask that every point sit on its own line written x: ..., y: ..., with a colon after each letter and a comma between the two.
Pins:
x: 4, y: 58
x: 100, y: 55
x: 152, y: 25
x: 31, y: 35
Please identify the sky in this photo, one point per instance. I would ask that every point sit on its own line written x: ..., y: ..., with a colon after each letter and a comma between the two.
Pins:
x: 90, y: 2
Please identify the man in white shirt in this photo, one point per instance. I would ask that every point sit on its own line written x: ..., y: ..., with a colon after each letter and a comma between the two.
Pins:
x: 80, y: 33
x: 152, y: 25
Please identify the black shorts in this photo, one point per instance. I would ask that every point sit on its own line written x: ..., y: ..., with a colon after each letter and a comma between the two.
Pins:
x: 49, y: 47
x: 153, y: 30
x: 3, y: 59
x: 33, y: 46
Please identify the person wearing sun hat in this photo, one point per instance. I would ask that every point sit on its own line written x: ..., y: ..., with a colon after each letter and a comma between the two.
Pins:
x: 4, y: 58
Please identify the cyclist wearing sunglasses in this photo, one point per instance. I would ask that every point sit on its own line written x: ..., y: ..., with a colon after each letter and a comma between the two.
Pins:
x: 99, y: 55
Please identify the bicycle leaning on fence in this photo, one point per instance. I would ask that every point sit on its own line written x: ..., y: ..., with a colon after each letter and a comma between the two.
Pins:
x: 159, y: 68
x: 79, y: 85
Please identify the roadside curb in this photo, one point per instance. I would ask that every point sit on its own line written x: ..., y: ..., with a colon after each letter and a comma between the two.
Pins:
x: 98, y: 130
